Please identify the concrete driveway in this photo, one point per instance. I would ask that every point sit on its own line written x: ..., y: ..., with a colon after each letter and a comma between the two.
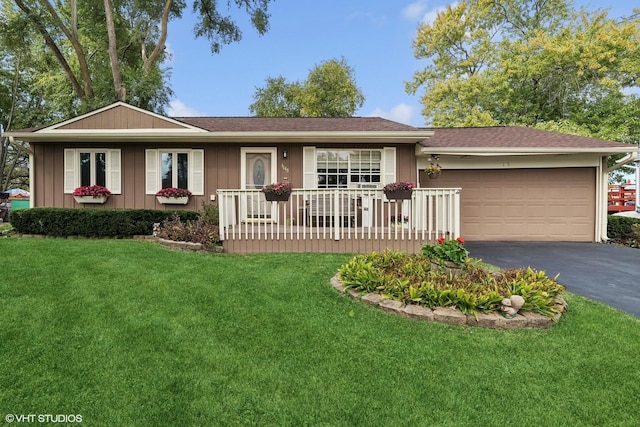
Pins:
x: 602, y: 272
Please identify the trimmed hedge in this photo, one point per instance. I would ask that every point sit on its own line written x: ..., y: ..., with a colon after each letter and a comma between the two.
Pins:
x: 63, y: 222
x: 620, y: 228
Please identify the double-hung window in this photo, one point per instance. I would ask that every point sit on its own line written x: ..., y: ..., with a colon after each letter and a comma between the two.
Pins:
x: 348, y: 168
x: 182, y: 168
x: 83, y: 167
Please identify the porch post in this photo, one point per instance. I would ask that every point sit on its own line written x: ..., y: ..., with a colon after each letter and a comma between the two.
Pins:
x: 336, y: 215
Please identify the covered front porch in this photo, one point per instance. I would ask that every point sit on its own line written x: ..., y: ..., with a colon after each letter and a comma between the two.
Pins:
x: 337, y: 220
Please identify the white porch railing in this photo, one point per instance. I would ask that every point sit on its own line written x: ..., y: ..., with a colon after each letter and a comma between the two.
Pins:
x: 339, y: 214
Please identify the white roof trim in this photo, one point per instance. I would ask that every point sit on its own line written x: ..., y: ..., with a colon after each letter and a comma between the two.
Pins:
x: 520, y: 151
x: 180, y: 135
x: 115, y: 105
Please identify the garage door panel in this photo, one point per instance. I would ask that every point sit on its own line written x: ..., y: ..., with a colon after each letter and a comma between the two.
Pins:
x: 525, y: 204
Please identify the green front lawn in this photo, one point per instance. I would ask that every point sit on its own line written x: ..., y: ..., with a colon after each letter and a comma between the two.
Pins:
x: 129, y: 333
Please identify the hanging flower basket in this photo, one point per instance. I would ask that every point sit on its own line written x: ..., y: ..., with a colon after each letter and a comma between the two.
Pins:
x: 398, y: 194
x: 273, y: 197
x: 398, y: 190
x: 433, y: 170
x: 277, y: 192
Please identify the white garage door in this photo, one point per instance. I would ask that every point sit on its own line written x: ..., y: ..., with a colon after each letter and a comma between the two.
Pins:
x: 524, y: 204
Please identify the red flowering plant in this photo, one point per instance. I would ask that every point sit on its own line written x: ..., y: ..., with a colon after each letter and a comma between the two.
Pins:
x: 173, y: 192
x: 278, y: 188
x: 447, y: 250
x: 92, y: 191
x: 398, y: 186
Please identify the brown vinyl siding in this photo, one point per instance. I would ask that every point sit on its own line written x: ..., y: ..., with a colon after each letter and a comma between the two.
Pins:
x: 121, y: 118
x: 222, y: 171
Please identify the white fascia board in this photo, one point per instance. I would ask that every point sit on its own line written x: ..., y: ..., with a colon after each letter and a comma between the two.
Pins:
x: 181, y: 135
x: 514, y: 162
x: 519, y: 151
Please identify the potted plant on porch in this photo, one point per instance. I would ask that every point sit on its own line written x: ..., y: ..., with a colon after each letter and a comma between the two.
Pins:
x: 91, y: 194
x: 398, y: 190
x: 277, y: 192
x: 173, y: 196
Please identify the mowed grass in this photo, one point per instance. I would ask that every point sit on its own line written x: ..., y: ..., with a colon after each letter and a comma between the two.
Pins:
x: 128, y: 333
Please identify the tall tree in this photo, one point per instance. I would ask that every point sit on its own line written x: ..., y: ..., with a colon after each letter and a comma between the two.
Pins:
x: 123, y: 35
x: 526, y: 62
x: 330, y: 90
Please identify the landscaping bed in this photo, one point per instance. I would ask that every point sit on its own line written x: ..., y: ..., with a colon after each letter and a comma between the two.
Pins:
x: 411, y: 286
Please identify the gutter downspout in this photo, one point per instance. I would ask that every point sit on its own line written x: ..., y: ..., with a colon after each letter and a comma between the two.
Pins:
x: 601, y: 201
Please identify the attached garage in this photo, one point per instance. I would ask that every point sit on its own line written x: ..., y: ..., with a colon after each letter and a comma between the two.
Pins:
x: 525, y: 204
x: 520, y: 184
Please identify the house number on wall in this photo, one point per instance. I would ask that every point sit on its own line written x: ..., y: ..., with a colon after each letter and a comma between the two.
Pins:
x: 505, y: 164
x: 284, y: 168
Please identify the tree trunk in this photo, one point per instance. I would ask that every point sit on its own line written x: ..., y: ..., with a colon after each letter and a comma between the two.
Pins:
x: 113, y: 52
x: 148, y: 62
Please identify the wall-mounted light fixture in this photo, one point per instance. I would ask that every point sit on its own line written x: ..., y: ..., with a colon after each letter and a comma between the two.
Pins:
x: 284, y: 153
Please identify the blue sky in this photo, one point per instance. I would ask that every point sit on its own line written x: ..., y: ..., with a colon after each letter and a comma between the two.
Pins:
x: 374, y: 36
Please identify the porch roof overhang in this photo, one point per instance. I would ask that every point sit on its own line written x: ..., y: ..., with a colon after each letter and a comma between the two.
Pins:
x: 191, y: 136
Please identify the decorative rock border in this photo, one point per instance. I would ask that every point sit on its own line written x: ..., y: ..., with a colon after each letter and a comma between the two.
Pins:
x: 186, y: 246
x: 449, y: 315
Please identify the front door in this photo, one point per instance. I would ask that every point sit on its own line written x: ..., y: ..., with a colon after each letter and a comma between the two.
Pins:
x: 258, y: 168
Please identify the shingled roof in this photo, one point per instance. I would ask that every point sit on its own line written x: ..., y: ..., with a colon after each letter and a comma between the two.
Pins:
x: 295, y: 124
x: 511, y: 137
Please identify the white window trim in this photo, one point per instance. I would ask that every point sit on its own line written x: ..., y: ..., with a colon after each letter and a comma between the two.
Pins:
x: 153, y: 169
x: 387, y: 165
x: 71, y: 161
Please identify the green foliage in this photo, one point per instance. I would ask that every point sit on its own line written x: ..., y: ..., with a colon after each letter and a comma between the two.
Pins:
x: 408, y: 278
x: 210, y: 213
x: 62, y: 222
x: 624, y: 230
x: 195, y: 231
x: 529, y: 63
x: 127, y: 333
x: 447, y: 250
x: 329, y: 91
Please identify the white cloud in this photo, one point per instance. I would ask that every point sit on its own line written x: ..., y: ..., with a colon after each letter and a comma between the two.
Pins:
x: 415, y: 10
x: 419, y: 10
x: 376, y: 21
x: 402, y: 113
x: 177, y: 108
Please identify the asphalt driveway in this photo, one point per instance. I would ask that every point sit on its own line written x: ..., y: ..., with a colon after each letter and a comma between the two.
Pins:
x: 606, y: 273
